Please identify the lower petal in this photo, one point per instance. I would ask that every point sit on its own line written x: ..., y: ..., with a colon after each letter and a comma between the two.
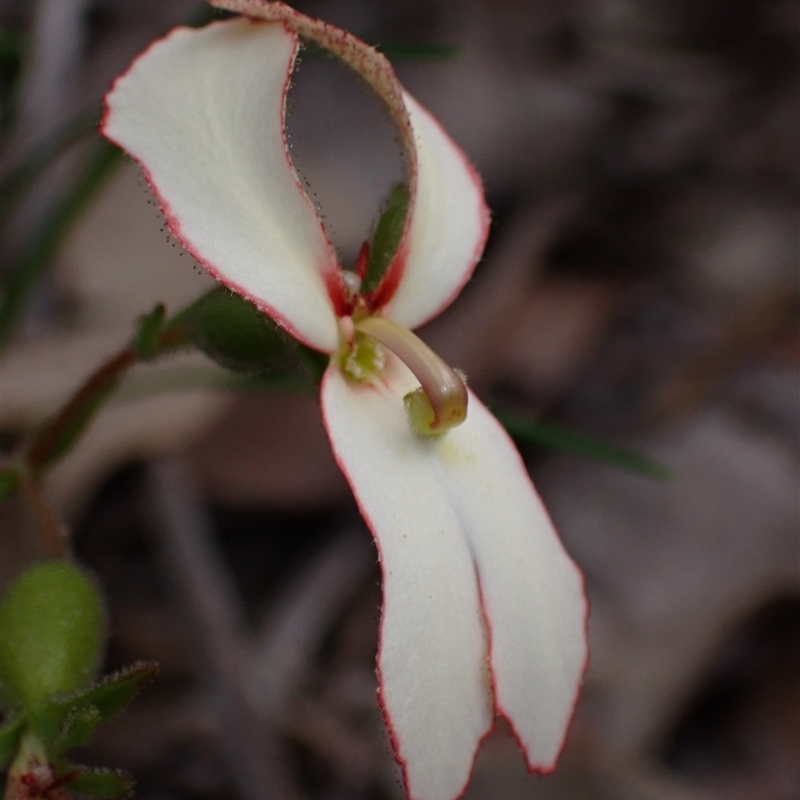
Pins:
x: 531, y: 590
x: 432, y: 663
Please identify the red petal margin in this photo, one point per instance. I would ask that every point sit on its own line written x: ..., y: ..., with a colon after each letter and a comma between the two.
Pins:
x: 330, y: 276
x: 374, y: 68
x: 539, y: 769
x: 394, y: 274
x: 393, y: 736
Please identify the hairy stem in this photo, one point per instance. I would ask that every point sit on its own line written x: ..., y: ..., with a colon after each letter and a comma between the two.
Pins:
x: 52, y: 535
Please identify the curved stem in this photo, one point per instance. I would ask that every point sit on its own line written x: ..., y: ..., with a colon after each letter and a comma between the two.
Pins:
x: 48, y: 442
x: 52, y: 535
x: 442, y: 385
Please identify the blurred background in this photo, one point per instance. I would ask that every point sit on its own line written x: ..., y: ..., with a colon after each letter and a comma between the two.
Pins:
x: 639, y: 288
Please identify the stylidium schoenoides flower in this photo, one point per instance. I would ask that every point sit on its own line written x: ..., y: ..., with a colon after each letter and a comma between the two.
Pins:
x: 483, y: 611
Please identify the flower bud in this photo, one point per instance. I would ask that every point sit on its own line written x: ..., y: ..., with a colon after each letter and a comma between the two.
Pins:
x: 51, y: 623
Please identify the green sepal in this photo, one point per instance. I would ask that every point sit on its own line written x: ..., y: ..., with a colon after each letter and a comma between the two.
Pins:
x: 233, y: 332
x: 51, y: 631
x: 10, y: 735
x: 386, y: 238
x: 112, y: 694
x: 9, y: 482
x: 147, y: 341
x: 102, y: 784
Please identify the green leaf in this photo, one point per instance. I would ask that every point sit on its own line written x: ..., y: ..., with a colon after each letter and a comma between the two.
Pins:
x: 557, y: 437
x: 78, y: 728
x: 386, y: 237
x: 148, y: 335
x: 10, y: 735
x: 110, y: 695
x: 103, y: 784
x: 235, y: 334
x: 31, y: 262
x: 9, y: 481
x: 51, y: 624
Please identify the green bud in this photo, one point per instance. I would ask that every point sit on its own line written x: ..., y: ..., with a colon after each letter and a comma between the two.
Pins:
x: 51, y: 623
x: 235, y: 334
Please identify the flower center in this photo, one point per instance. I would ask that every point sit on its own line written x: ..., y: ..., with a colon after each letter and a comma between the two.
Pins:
x: 440, y: 402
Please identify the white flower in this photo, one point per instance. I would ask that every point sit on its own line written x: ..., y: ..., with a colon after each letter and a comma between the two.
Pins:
x: 483, y: 611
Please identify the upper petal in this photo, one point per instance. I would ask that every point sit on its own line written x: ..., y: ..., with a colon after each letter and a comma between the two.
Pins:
x: 531, y: 590
x: 448, y: 220
x: 432, y: 662
x: 446, y: 232
x: 202, y: 111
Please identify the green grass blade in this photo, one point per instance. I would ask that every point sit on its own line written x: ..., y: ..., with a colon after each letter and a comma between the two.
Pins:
x: 17, y: 182
x: 36, y: 254
x: 558, y: 437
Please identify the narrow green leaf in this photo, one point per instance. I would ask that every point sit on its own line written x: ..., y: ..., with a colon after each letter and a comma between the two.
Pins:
x: 112, y: 694
x: 557, y: 437
x: 32, y: 261
x: 235, y: 334
x: 10, y: 735
x: 148, y: 335
x: 19, y: 180
x: 102, y: 784
x: 386, y: 237
x: 9, y: 481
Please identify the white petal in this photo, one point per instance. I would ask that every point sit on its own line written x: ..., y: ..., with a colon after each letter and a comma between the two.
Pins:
x: 531, y: 590
x: 441, y: 509
x: 432, y: 661
x: 203, y: 112
x: 448, y: 227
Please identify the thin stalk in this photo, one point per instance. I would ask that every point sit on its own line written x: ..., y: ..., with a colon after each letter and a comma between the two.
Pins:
x: 52, y: 535
x: 55, y: 437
